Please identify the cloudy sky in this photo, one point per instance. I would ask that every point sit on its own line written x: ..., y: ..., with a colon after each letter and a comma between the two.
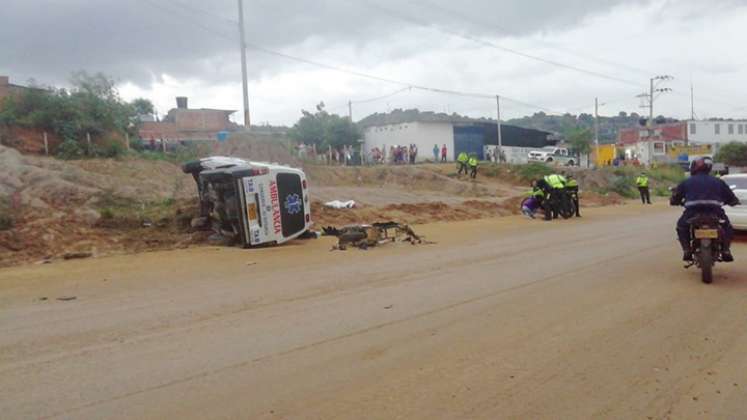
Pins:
x: 546, y: 55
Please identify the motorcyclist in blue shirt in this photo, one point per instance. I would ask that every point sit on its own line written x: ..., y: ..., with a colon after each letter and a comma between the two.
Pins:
x: 702, y: 193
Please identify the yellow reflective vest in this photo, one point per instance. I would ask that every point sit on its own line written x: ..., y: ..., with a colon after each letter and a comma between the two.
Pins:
x: 555, y: 181
x: 462, y: 158
x: 472, y: 162
x: 642, y: 181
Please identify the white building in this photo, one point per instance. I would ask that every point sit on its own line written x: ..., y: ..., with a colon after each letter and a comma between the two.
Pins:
x: 716, y: 132
x: 457, y: 133
x: 422, y: 134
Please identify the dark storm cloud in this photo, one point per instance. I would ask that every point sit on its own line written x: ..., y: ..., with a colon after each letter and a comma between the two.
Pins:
x: 137, y: 40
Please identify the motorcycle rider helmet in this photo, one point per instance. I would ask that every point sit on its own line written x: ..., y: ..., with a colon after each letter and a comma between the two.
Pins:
x: 701, y: 165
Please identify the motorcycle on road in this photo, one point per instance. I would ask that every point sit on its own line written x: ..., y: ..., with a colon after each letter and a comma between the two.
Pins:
x: 706, y: 233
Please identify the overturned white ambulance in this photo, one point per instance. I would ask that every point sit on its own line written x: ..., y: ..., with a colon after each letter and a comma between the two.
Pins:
x: 252, y: 203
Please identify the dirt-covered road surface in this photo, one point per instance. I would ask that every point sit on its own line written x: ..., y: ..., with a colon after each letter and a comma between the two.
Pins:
x: 502, y: 318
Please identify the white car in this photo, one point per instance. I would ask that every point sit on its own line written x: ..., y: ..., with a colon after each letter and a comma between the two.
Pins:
x: 737, y: 214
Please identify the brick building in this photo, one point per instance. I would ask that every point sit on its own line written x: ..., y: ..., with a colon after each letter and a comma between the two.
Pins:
x: 654, y: 144
x: 182, y: 123
x: 9, y: 89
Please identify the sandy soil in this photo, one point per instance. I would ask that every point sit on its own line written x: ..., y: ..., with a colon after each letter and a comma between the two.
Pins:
x: 502, y: 318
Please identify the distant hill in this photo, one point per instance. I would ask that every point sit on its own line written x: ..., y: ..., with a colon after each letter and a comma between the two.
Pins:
x: 557, y: 124
x: 562, y: 124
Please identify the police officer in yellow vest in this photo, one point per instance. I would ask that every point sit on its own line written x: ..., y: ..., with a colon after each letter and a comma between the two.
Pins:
x: 462, y: 163
x: 472, y: 162
x: 556, y: 184
x: 571, y: 186
x: 642, y: 183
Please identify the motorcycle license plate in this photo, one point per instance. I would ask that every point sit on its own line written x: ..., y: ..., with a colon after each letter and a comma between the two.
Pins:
x: 706, y: 234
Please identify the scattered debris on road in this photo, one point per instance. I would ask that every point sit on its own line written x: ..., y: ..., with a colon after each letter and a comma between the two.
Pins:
x: 67, y: 298
x: 337, y: 204
x: 77, y: 255
x: 365, y: 236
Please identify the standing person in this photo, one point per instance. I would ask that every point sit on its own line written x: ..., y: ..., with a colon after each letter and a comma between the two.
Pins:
x: 489, y: 156
x: 414, y: 153
x: 642, y: 183
x: 435, y: 152
x: 472, y: 162
x: 462, y: 163
x: 572, y: 187
x: 444, y: 152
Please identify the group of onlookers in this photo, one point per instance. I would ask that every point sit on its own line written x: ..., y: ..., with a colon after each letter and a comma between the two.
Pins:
x: 396, y: 155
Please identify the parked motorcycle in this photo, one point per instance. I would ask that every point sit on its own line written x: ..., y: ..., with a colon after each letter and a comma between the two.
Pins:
x: 560, y: 202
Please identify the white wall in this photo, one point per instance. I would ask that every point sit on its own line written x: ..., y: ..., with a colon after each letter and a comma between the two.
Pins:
x: 517, y: 155
x: 705, y: 131
x: 424, y: 135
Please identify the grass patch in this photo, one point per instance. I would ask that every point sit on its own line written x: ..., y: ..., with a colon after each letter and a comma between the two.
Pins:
x: 522, y: 173
x: 6, y: 218
x: 122, y: 212
x: 178, y: 155
x: 660, y: 179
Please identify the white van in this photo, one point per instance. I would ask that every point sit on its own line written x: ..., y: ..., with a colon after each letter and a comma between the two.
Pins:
x: 252, y: 203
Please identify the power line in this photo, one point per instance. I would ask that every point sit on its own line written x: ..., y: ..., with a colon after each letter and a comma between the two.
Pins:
x: 378, y: 98
x: 499, y: 47
x: 355, y: 72
x: 480, y: 22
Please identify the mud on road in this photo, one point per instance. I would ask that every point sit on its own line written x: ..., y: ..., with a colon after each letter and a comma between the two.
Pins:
x: 502, y: 318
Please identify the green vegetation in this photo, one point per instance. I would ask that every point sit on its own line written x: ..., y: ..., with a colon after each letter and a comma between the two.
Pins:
x: 532, y: 171
x: 524, y: 173
x: 661, y: 178
x: 325, y: 130
x: 732, y: 154
x: 6, y: 218
x: 566, y: 123
x: 178, y: 155
x: 117, y: 211
x: 92, y: 106
x: 580, y: 140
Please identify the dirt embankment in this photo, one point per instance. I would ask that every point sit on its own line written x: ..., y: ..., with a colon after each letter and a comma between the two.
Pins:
x: 50, y: 207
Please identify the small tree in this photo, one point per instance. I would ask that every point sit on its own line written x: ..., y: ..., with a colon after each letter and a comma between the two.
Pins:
x: 143, y: 106
x: 580, y: 141
x: 733, y: 154
x: 324, y: 129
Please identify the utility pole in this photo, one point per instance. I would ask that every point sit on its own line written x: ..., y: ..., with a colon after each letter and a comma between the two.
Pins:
x: 596, y: 130
x: 650, y: 98
x: 350, y: 110
x: 653, y: 90
x: 498, y: 124
x: 242, y: 45
x: 651, y: 105
x: 692, y: 102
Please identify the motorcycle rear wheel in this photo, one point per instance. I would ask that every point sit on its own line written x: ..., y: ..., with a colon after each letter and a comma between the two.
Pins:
x: 706, y: 266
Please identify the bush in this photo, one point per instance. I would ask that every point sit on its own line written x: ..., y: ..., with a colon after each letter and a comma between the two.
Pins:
x: 70, y: 149
x: 137, y: 145
x: 6, y: 220
x: 532, y: 171
x: 733, y: 154
x: 107, y: 213
x: 109, y: 148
